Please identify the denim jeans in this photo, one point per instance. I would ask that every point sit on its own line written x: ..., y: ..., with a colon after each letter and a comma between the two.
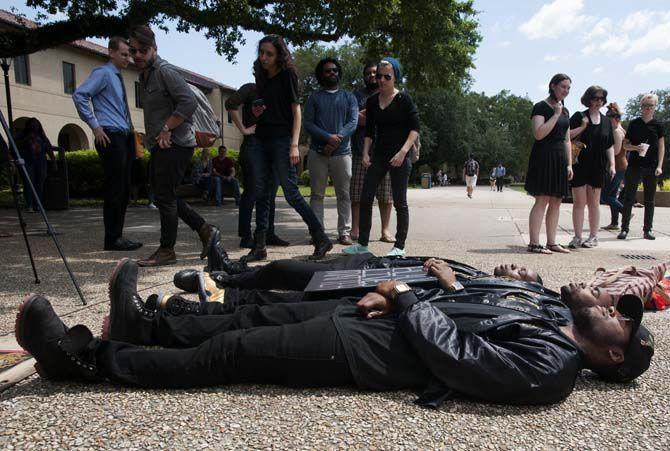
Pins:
x: 633, y: 177
x: 273, y: 159
x: 37, y: 172
x: 610, y: 193
x: 220, y: 182
x: 117, y: 163
x: 249, y: 162
x: 212, y: 185
x: 167, y: 171
x: 399, y: 179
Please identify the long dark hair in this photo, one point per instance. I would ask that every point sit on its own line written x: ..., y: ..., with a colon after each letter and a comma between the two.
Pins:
x: 284, y: 60
x: 556, y: 79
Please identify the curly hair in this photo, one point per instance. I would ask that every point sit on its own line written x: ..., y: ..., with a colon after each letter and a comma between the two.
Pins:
x: 284, y: 59
x: 613, y: 110
x: 318, y: 71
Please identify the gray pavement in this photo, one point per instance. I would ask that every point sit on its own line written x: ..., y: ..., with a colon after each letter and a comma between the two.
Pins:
x: 483, y: 231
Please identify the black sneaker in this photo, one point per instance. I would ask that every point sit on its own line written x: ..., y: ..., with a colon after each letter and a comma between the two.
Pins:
x: 57, y: 349
x: 128, y: 321
x: 649, y: 236
x: 622, y: 235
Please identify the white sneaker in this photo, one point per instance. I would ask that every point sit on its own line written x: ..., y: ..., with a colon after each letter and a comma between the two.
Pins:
x: 592, y: 241
x: 575, y: 243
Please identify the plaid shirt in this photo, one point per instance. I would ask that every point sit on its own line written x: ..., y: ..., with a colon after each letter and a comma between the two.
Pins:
x: 628, y: 280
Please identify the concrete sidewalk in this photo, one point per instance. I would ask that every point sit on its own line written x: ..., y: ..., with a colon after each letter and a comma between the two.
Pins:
x: 483, y: 231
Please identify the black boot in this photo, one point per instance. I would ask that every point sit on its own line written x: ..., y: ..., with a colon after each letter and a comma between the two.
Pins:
x: 206, y: 234
x: 259, y: 252
x: 218, y: 260
x: 274, y: 240
x: 322, y: 245
x: 247, y: 242
x: 177, y: 305
x: 129, y: 320
x: 61, y: 353
x: 648, y: 235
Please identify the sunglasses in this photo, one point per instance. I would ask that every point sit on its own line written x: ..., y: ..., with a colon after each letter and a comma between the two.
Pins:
x: 598, y: 98
x: 134, y: 51
x: 387, y: 77
x: 648, y: 105
x: 331, y: 70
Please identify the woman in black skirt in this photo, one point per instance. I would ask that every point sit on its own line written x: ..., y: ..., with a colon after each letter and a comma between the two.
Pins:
x: 594, y: 130
x: 550, y: 164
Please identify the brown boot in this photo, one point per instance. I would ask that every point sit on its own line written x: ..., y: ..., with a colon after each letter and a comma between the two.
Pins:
x: 206, y: 232
x: 162, y: 257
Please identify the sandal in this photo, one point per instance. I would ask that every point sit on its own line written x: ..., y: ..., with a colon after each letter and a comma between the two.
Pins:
x: 385, y: 239
x: 558, y: 249
x: 538, y: 249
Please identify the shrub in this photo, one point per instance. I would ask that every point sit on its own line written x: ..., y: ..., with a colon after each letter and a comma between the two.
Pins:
x: 304, y: 178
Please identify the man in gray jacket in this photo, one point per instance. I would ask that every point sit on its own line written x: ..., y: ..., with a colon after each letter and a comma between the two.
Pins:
x: 168, y: 105
x: 331, y: 116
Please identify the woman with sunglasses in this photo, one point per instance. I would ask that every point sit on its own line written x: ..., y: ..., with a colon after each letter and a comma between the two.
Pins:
x: 645, y: 142
x: 594, y: 162
x: 278, y: 132
x: 393, y: 124
x: 550, y: 164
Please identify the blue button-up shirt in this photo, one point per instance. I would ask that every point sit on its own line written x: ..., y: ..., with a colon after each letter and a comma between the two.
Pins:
x: 103, y: 89
x: 500, y: 171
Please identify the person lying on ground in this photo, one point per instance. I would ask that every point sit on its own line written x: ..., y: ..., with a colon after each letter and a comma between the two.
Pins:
x: 487, y: 345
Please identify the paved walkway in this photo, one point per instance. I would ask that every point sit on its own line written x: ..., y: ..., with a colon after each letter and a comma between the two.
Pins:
x: 483, y: 231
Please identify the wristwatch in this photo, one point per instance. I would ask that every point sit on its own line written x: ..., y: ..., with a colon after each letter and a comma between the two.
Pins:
x: 456, y: 286
x: 398, y: 289
x: 166, y: 128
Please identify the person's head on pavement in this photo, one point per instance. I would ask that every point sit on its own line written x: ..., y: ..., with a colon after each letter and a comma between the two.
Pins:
x: 616, y: 346
x: 580, y: 295
x: 517, y: 272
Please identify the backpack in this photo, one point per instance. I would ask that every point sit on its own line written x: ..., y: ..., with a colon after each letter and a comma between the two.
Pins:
x: 470, y: 168
x: 206, y: 126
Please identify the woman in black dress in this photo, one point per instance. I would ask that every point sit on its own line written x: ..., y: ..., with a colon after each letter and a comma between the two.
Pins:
x: 594, y: 130
x: 393, y: 123
x: 550, y: 164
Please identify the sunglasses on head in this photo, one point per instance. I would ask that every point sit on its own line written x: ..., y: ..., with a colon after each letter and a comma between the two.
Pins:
x: 387, y: 77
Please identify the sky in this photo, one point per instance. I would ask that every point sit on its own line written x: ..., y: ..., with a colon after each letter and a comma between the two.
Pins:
x: 622, y: 45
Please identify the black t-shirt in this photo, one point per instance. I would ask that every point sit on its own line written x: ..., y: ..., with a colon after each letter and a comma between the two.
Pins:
x: 358, y: 140
x: 390, y: 127
x: 598, y: 138
x: 278, y: 94
x: 640, y: 132
x: 244, y: 97
x: 557, y: 134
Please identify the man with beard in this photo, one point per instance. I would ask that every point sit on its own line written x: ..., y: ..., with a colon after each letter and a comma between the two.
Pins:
x: 331, y: 115
x: 490, y: 345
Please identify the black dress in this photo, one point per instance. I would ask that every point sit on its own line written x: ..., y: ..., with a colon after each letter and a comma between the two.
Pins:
x: 589, y: 169
x: 547, y: 173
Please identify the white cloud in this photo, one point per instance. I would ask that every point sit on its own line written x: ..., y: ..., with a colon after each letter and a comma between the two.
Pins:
x: 637, y: 20
x: 656, y: 39
x: 551, y: 58
x: 504, y: 44
x: 655, y: 66
x: 601, y: 30
x: 555, y: 19
x: 597, y: 70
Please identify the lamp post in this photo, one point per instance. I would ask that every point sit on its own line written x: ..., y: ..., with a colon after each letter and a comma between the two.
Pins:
x: 4, y: 64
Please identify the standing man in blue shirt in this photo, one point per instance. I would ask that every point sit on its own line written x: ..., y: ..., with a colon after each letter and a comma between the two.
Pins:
x: 331, y: 117
x: 112, y: 126
x: 500, y: 176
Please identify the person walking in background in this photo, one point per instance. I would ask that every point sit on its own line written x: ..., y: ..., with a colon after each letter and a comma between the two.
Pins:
x: 550, y: 164
x: 611, y: 191
x: 594, y: 162
x: 500, y: 176
x: 34, y: 146
x: 278, y: 132
x: 393, y: 121
x: 223, y: 174
x: 168, y: 106
x: 331, y: 115
x: 470, y: 174
x: 114, y: 140
x: 239, y: 105
x: 492, y: 179
x: 644, y: 141
x: 358, y: 169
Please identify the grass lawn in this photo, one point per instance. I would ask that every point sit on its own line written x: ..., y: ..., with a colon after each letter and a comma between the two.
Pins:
x: 6, y: 200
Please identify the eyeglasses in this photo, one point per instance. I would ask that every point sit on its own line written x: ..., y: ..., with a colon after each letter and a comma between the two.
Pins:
x: 331, y: 70
x: 598, y: 98
x: 387, y: 77
x: 648, y: 105
x: 134, y: 51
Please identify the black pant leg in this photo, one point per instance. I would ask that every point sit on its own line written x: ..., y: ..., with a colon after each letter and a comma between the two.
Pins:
x: 649, y: 186
x: 399, y: 181
x: 373, y: 177
x: 282, y: 275
x: 632, y: 179
x: 303, y: 354
x: 247, y: 198
x: 499, y: 183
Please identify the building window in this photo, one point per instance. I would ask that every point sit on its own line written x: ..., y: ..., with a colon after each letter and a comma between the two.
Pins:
x: 21, y: 70
x: 230, y: 118
x: 69, y: 82
x: 138, y: 97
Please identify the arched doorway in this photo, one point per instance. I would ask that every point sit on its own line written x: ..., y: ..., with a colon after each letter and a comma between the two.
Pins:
x: 72, y: 137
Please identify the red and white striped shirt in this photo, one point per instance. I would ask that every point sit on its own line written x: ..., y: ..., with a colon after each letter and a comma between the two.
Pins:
x: 628, y: 280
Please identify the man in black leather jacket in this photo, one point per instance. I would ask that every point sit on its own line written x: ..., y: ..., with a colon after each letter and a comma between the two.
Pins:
x: 500, y: 345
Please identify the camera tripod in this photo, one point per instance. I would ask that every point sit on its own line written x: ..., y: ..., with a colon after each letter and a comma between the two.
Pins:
x: 14, y: 159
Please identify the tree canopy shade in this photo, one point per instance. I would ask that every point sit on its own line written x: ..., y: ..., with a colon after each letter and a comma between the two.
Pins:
x: 435, y: 39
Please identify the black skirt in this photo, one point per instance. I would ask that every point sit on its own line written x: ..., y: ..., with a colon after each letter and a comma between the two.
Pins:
x: 547, y: 171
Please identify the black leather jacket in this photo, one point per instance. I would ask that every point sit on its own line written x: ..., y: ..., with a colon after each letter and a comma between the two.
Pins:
x: 517, y: 357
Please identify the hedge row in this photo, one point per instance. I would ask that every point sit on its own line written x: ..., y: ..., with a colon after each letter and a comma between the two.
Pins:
x: 86, y: 176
